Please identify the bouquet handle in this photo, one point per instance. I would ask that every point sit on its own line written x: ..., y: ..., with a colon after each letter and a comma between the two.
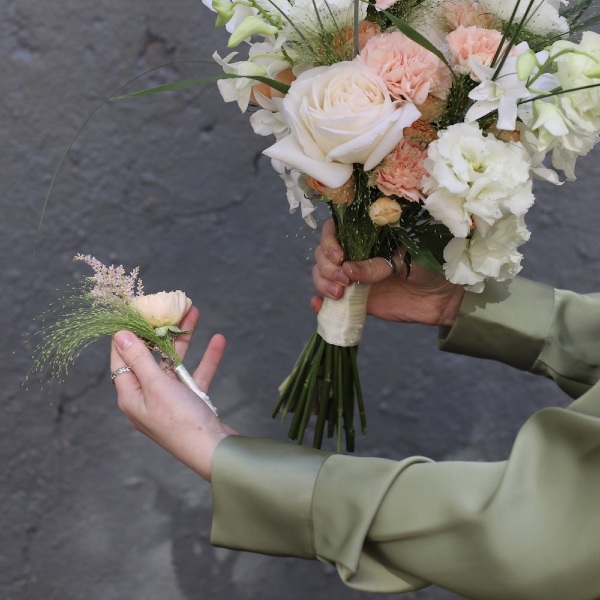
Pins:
x: 188, y: 380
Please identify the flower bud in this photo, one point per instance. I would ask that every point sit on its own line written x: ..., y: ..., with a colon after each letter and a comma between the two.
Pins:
x: 162, y: 309
x: 385, y: 211
x: 250, y: 26
x: 343, y: 195
x: 224, y: 10
x: 526, y: 63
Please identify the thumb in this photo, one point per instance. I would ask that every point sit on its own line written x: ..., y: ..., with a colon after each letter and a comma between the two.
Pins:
x: 136, y: 356
x: 370, y: 271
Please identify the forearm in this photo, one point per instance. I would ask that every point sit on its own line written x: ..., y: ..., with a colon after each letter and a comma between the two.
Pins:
x: 524, y: 529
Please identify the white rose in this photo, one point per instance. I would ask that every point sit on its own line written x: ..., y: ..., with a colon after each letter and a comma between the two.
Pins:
x: 337, y: 116
x: 475, y: 180
x: 543, y: 17
x: 470, y: 262
x: 164, y: 308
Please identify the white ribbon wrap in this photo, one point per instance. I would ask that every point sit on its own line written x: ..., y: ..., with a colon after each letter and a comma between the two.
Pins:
x: 340, y: 322
x: 185, y: 377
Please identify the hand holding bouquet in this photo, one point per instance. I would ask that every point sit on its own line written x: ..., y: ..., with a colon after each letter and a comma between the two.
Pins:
x: 422, y: 124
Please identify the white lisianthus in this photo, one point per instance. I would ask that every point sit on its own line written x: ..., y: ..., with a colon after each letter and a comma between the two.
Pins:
x: 543, y: 17
x: 475, y: 180
x: 338, y: 116
x: 163, y: 309
x: 470, y: 262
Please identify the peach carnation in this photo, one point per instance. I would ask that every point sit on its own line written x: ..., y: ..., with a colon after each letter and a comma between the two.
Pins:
x: 473, y: 42
x: 410, y: 71
x: 400, y: 173
x: 467, y: 14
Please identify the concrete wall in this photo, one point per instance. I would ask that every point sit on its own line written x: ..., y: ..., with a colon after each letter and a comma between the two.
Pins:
x: 176, y: 184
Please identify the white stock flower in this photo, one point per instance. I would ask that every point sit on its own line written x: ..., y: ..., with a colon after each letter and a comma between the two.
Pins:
x: 164, y: 308
x: 475, y: 180
x: 470, y: 262
x: 543, y: 17
x: 338, y: 116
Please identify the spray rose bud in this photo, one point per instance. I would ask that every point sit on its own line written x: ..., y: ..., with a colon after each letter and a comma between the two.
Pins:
x: 385, y: 211
x: 343, y: 195
x: 163, y: 309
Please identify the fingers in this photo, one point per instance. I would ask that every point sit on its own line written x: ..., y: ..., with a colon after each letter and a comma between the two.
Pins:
x: 209, y: 364
x: 328, y: 277
x: 372, y: 270
x: 189, y: 322
x: 131, y: 351
x: 329, y: 244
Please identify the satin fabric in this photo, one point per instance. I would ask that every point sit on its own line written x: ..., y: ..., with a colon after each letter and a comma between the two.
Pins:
x: 527, y: 528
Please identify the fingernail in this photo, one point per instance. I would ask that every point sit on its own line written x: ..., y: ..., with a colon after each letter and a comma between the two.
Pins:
x: 341, y: 277
x: 334, y: 291
x: 124, y: 339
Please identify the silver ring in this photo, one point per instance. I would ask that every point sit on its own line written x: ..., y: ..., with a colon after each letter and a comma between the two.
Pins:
x: 119, y: 371
x: 392, y: 264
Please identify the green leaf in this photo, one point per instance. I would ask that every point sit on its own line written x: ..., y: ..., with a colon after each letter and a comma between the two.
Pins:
x: 415, y: 36
x: 189, y: 83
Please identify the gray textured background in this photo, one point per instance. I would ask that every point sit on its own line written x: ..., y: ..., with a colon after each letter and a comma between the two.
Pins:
x: 89, y: 509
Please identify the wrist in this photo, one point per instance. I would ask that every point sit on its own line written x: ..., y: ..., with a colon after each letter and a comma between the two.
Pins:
x: 451, y: 306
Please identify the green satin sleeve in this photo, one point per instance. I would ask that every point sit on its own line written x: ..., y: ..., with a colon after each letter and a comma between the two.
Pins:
x: 533, y: 327
x: 523, y: 529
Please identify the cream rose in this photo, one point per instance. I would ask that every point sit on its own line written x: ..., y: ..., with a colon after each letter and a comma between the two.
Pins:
x: 338, y: 116
x: 164, y: 308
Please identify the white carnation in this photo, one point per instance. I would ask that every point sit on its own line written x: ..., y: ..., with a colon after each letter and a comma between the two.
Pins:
x: 470, y: 262
x: 475, y: 180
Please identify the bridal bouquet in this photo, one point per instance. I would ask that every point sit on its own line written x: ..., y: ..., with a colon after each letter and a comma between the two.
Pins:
x: 109, y: 301
x: 422, y: 124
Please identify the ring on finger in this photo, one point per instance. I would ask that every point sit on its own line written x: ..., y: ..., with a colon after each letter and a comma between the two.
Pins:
x: 119, y: 371
x: 392, y: 264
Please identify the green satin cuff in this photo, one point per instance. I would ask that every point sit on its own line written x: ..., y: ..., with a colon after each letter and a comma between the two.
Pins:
x: 508, y: 322
x: 262, y: 496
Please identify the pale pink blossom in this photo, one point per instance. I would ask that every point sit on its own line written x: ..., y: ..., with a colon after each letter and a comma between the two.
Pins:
x: 410, y: 72
x: 401, y: 172
x: 473, y: 43
x: 459, y: 13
